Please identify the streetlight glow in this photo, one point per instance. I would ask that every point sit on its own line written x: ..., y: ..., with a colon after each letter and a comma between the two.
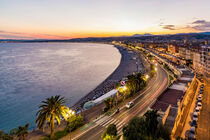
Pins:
x: 155, y: 69
x: 147, y: 76
x: 124, y: 88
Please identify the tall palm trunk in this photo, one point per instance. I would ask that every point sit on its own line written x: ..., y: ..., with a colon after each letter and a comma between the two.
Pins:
x: 52, y: 127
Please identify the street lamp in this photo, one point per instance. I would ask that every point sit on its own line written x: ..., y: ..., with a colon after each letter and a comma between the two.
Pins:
x: 155, y: 69
x: 124, y: 88
x: 70, y: 113
x: 147, y: 76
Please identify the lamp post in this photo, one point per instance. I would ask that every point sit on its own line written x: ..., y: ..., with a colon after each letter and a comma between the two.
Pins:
x: 146, y: 76
x: 70, y: 113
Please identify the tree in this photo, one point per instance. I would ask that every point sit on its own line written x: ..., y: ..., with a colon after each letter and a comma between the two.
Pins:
x: 163, y: 132
x: 5, y: 136
x: 111, y: 131
x: 146, y: 128
x: 74, y: 122
x: 109, y: 102
x: 151, y: 121
x: 135, y: 129
x: 22, y: 131
x: 152, y: 70
x: 50, y: 110
x: 109, y: 137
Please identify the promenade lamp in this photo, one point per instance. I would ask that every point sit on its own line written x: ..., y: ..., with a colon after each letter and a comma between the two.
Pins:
x: 70, y: 113
x: 146, y: 76
x: 124, y: 88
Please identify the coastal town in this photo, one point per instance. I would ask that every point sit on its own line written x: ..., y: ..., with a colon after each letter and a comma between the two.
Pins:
x: 169, y: 80
x: 104, y: 70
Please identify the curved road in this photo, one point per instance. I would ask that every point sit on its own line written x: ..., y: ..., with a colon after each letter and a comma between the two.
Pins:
x: 141, y: 104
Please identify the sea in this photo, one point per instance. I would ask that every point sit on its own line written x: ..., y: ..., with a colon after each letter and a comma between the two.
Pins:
x: 32, y: 72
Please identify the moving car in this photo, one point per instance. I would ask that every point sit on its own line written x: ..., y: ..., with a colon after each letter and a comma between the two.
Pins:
x: 129, y: 104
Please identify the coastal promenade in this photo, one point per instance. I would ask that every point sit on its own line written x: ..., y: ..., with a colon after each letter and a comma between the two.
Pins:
x: 131, y: 62
x: 142, y: 103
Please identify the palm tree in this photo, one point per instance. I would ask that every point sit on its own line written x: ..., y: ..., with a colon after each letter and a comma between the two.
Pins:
x: 51, y: 110
x: 22, y: 131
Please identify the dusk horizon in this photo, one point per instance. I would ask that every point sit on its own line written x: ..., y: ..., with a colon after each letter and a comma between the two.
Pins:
x: 51, y: 19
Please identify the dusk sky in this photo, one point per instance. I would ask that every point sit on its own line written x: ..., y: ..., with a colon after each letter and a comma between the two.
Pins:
x: 63, y: 19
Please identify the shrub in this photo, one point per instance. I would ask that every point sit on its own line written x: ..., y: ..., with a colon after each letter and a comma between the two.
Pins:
x: 74, y: 122
x: 146, y: 127
x: 109, y: 102
x: 5, y: 136
x: 110, y: 131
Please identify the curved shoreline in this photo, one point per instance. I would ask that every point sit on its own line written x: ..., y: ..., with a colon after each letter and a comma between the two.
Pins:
x: 130, y: 62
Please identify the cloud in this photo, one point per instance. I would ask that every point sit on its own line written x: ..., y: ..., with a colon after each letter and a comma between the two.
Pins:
x: 201, y: 25
x: 167, y: 27
x: 19, y: 35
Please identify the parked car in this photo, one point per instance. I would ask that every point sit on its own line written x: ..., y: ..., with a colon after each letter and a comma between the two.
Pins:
x: 197, y: 109
x: 199, y: 104
x: 200, y: 95
x: 129, y: 104
x: 199, y: 98
x: 195, y: 116
x: 194, y: 123
x: 191, y: 135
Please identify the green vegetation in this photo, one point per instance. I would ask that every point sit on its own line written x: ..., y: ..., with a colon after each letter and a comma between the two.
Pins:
x: 74, y: 122
x: 109, y: 102
x: 21, y: 132
x: 170, y: 79
x: 152, y: 70
x: 146, y: 128
x: 110, y: 133
x: 57, y: 135
x: 135, y: 83
x: 5, y: 136
x: 50, y: 110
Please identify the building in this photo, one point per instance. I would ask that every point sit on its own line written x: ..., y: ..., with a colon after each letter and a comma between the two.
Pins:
x: 188, y: 54
x: 197, y: 61
x: 173, y: 49
x: 182, y: 52
x: 205, y: 61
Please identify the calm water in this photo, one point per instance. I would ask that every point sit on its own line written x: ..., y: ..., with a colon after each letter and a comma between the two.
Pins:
x: 30, y: 72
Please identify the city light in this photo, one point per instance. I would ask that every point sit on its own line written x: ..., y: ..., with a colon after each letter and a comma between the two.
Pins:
x: 124, y: 88
x: 147, y: 76
x: 155, y: 69
x: 71, y: 112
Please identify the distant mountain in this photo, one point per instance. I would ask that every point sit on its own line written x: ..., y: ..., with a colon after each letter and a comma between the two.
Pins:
x: 206, y: 33
x: 140, y: 35
x: 146, y: 36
